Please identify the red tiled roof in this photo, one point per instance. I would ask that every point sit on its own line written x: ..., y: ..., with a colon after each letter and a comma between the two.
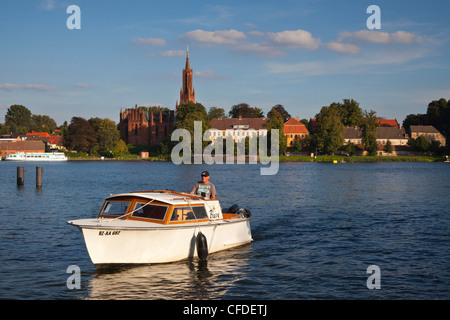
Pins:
x: 294, y: 126
x: 40, y: 134
x: 29, y: 146
x: 388, y: 122
x: 54, y: 139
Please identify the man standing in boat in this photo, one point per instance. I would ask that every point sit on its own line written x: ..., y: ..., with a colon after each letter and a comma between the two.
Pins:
x: 204, y: 188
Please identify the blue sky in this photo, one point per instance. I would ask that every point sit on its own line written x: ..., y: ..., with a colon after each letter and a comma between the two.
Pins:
x: 301, y: 54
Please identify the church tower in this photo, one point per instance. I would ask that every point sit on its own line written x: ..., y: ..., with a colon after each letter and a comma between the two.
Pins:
x: 187, y: 93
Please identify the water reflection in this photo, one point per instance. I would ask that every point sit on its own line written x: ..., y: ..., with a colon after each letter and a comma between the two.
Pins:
x: 187, y: 279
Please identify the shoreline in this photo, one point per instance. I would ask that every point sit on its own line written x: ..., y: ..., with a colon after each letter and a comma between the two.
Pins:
x: 323, y: 159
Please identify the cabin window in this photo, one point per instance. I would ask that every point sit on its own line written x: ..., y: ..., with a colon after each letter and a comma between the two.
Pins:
x: 149, y: 211
x: 186, y: 213
x: 115, y: 208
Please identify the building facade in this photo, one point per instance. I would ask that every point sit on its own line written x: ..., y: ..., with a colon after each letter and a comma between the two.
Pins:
x: 396, y: 135
x: 294, y: 130
x: 9, y: 147
x: 138, y: 126
x: 237, y: 128
x: 429, y: 132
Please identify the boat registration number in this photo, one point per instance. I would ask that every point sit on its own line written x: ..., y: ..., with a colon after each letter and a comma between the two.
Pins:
x: 108, y: 233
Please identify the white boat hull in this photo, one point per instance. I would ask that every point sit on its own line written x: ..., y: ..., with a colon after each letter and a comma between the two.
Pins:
x: 21, y: 156
x: 158, y: 244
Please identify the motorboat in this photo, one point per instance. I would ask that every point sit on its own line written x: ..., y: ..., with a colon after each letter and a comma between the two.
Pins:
x: 36, y: 156
x: 161, y: 226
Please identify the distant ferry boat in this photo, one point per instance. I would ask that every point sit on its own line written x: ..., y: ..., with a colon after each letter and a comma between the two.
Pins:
x: 36, y: 156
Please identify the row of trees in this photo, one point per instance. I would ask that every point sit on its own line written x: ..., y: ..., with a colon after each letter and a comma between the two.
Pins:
x: 96, y: 136
x: 331, y: 122
x: 437, y: 115
x: 102, y: 136
x: 19, y: 119
x: 191, y: 112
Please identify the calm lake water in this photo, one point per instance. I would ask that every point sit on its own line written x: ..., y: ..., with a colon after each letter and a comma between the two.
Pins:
x: 316, y: 229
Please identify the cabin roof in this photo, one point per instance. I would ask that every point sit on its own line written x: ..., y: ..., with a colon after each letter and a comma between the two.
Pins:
x: 167, y: 196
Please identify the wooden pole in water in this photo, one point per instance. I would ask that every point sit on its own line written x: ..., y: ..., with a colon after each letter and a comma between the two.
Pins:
x: 20, y: 176
x: 39, y: 177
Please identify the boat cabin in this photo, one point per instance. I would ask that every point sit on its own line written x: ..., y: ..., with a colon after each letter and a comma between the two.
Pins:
x: 162, y: 207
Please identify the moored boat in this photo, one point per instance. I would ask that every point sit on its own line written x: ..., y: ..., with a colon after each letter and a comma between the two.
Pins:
x: 161, y: 226
x: 36, y: 156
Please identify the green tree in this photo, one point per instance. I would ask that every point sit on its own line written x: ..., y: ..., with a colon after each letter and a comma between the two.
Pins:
x: 388, y: 147
x: 107, y: 134
x: 413, y: 120
x: 215, y: 112
x: 18, y: 118
x: 435, y: 146
x: 438, y: 113
x: 421, y: 144
x: 63, y: 128
x: 328, y: 136
x: 43, y: 123
x: 81, y: 136
x: 350, y: 112
x: 369, y: 127
x: 297, y: 147
x: 284, y: 114
x: 305, y: 122
x: 120, y: 148
x: 187, y: 114
x: 276, y: 122
x: 245, y: 111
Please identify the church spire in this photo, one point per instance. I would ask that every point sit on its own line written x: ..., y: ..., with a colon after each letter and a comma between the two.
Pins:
x: 187, y: 93
x: 187, y: 58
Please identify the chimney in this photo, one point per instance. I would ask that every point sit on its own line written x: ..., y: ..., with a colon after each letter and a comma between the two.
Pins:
x: 298, y: 118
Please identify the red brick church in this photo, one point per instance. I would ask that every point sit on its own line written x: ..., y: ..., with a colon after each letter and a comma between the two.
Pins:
x: 151, y: 127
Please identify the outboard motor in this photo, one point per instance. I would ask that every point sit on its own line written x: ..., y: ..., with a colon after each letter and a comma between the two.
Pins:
x: 233, y: 209
x: 244, y: 213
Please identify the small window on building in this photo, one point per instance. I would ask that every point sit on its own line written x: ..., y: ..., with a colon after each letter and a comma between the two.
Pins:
x: 186, y: 213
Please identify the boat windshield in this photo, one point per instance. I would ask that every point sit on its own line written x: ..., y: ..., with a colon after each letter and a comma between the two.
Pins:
x: 115, y: 208
x: 185, y: 213
x: 150, y: 211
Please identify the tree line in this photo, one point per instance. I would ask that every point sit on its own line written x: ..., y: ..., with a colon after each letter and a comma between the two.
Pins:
x: 102, y: 136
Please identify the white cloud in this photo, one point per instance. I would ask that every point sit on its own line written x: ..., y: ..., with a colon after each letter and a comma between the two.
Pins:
x: 38, y: 87
x: 172, y: 53
x: 294, y: 39
x: 83, y: 85
x: 150, y: 41
x: 344, y: 48
x: 218, y: 37
x: 256, y: 33
x: 48, y: 5
x: 260, y: 49
x: 403, y: 37
x: 370, y: 63
x: 379, y: 37
x: 208, y: 74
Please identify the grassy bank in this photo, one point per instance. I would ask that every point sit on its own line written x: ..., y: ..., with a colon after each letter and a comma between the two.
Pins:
x: 362, y: 159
